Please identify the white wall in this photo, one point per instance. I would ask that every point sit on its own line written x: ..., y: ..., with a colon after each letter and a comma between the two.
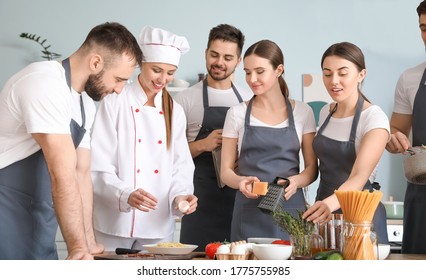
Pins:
x: 386, y: 30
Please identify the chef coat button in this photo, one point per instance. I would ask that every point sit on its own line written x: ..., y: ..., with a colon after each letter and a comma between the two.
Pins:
x: 156, y: 171
x: 160, y: 142
x: 137, y: 110
x: 138, y: 170
x: 161, y: 112
x: 139, y: 140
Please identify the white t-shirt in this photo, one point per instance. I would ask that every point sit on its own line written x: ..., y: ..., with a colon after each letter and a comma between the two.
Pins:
x: 37, y: 99
x: 191, y: 101
x: 234, y: 123
x: 406, y: 89
x: 340, y: 128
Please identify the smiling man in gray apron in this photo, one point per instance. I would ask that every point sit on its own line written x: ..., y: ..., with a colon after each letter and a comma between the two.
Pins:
x: 43, y: 125
x: 205, y: 105
x: 409, y: 113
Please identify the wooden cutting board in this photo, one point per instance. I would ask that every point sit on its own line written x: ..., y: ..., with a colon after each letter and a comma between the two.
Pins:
x: 144, y: 256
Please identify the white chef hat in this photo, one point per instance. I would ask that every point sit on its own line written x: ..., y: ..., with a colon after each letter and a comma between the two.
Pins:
x: 161, y: 46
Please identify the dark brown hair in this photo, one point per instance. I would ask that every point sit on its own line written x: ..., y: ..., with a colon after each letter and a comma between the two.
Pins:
x: 349, y: 52
x: 227, y: 33
x: 115, y: 39
x: 272, y: 52
x: 421, y: 9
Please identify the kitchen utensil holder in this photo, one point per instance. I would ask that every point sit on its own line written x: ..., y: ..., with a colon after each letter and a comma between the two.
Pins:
x: 273, y: 197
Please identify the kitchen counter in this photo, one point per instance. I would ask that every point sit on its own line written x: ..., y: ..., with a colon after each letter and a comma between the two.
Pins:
x: 202, y: 256
x: 406, y: 257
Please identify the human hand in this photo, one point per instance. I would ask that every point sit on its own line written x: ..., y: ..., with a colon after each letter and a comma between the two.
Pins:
x: 213, y: 140
x: 192, y: 201
x: 291, y: 189
x: 318, y: 213
x: 96, y: 248
x: 246, y: 187
x: 79, y: 254
x: 398, y: 143
x: 142, y: 200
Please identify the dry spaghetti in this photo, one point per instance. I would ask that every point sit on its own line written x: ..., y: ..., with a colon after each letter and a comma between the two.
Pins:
x: 358, y: 209
x: 170, y: 245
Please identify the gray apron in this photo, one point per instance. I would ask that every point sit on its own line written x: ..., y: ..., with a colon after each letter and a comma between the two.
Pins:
x: 266, y: 153
x: 336, y: 159
x: 28, y: 223
x: 212, y: 220
x: 413, y: 240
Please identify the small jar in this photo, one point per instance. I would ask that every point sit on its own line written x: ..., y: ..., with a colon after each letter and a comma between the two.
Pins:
x: 317, y: 242
x: 359, y: 241
x: 301, y: 246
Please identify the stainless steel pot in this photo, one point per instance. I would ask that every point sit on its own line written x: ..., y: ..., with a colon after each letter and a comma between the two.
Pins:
x: 415, y: 165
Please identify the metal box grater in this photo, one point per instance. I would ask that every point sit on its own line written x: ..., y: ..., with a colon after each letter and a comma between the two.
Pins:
x: 273, y: 197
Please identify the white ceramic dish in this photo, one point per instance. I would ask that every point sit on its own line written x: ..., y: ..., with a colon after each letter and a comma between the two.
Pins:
x: 261, y: 240
x: 272, y: 251
x: 154, y: 249
x: 383, y: 249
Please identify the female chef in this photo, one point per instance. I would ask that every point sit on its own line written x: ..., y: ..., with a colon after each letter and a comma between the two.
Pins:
x: 269, y: 131
x: 352, y: 136
x: 141, y: 165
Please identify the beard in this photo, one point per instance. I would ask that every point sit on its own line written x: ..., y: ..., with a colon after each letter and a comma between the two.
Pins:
x: 217, y: 77
x: 94, y: 87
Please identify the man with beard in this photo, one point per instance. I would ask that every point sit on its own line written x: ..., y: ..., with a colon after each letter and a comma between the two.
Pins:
x: 47, y: 112
x: 205, y: 105
x: 408, y: 118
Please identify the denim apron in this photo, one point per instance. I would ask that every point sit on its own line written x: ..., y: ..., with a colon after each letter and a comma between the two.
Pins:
x: 27, y: 218
x: 266, y: 153
x: 212, y: 220
x: 414, y: 231
x: 336, y: 159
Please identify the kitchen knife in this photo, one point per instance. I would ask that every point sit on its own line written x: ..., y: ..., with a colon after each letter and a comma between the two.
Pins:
x: 123, y: 251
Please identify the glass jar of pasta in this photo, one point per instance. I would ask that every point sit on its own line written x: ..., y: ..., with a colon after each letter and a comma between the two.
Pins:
x: 359, y: 241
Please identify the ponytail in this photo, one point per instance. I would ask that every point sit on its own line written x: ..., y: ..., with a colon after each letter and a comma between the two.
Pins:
x: 167, y: 101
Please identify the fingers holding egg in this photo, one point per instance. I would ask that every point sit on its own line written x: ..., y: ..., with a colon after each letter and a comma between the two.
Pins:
x: 183, y: 206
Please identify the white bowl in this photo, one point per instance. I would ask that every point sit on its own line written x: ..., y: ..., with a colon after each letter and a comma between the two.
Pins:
x: 261, y: 240
x: 272, y: 251
x: 384, y: 250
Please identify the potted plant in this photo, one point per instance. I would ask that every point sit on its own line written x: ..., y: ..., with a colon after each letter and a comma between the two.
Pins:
x: 45, y: 51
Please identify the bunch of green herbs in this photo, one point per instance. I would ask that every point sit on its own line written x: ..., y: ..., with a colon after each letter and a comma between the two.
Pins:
x: 299, y: 229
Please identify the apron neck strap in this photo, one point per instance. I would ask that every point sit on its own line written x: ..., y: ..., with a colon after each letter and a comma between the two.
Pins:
x: 206, y: 96
x: 67, y: 67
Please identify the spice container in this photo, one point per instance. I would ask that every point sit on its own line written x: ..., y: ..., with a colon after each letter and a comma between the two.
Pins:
x: 317, y: 241
x: 332, y: 233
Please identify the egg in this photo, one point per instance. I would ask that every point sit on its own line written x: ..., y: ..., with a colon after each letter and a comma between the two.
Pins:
x: 223, y: 249
x: 239, y: 249
x: 183, y: 206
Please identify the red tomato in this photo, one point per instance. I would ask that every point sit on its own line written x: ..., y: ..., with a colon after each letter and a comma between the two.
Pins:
x: 280, y: 241
x: 211, y: 249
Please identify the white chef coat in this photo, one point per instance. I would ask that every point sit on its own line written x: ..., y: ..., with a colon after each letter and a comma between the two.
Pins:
x: 129, y: 151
